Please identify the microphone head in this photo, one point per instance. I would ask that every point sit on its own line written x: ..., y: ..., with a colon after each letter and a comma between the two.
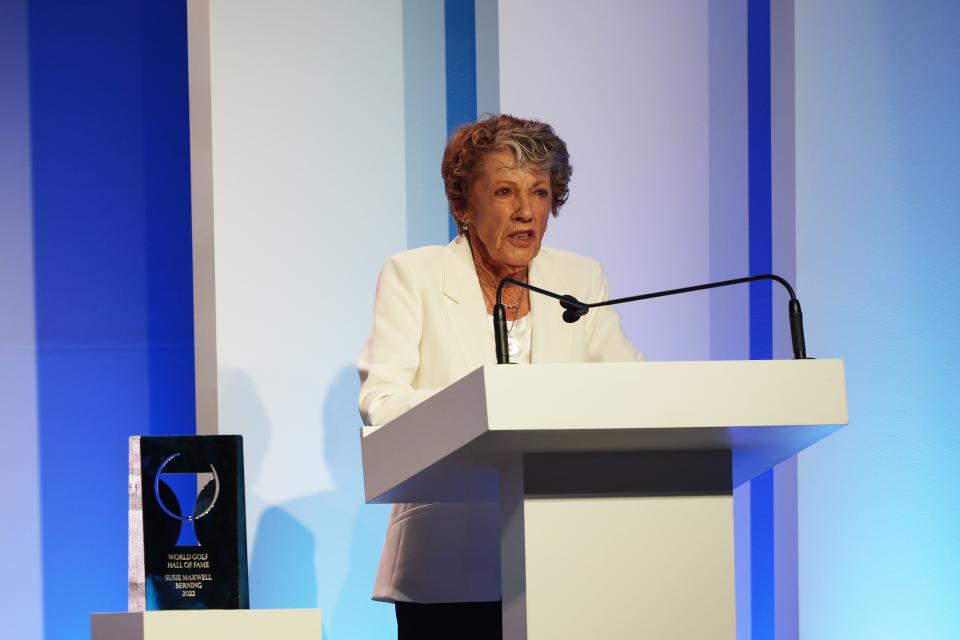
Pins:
x: 573, y: 309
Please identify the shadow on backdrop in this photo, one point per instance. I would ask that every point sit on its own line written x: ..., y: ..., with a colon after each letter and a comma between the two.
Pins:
x: 320, y: 550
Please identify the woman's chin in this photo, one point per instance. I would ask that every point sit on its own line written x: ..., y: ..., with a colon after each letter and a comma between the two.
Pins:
x: 519, y: 259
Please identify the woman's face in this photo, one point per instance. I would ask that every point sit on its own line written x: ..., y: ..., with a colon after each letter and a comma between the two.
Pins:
x: 508, y: 209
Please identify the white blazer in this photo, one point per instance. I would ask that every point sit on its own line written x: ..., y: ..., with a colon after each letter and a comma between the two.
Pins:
x: 430, y: 329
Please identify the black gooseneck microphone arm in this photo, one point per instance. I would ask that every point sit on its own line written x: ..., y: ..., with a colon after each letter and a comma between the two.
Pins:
x: 500, y: 314
x: 574, y: 309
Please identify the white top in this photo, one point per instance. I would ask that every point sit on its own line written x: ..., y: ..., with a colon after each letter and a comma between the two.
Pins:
x: 518, y: 339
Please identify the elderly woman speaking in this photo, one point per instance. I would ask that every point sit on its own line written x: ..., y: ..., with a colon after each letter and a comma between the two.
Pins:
x: 433, y: 324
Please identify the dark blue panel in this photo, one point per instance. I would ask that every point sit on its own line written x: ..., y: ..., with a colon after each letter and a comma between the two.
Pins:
x: 760, y: 176
x: 169, y: 244
x: 762, y: 557
x: 460, y: 38
x: 762, y: 580
x: 112, y: 251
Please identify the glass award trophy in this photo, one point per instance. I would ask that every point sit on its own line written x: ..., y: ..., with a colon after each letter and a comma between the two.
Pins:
x: 187, y: 523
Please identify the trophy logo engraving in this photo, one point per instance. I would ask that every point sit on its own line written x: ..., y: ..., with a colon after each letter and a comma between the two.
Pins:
x: 187, y: 497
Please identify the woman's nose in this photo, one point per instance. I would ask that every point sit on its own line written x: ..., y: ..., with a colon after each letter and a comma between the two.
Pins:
x: 524, y: 209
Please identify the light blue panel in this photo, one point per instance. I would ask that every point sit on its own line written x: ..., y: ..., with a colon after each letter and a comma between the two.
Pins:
x: 425, y: 121
x: 20, y: 589
x: 488, y: 56
x: 878, y: 231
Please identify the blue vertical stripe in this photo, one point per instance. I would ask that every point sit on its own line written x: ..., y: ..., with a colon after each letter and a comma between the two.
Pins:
x: 168, y: 243
x: 460, y: 38
x: 761, y: 557
x: 760, y: 177
x: 112, y: 254
x: 762, y: 581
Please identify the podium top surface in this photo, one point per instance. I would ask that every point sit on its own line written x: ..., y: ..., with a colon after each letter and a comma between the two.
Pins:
x: 446, y: 448
x: 207, y: 624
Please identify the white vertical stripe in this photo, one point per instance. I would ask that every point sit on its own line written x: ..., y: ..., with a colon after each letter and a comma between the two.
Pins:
x: 307, y: 188
x: 308, y: 198
x: 784, y: 195
x: 729, y: 199
x: 783, y: 162
x: 201, y: 181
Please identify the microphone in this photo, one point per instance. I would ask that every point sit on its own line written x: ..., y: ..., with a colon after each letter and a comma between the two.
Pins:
x: 573, y: 309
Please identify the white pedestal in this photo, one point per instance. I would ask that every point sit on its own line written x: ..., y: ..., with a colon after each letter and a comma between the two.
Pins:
x: 213, y: 624
x: 642, y: 552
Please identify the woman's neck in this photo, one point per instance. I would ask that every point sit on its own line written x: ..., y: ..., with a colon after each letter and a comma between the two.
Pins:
x: 514, y: 298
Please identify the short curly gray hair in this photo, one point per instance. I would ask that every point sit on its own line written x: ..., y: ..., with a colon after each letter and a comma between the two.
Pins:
x: 530, y: 141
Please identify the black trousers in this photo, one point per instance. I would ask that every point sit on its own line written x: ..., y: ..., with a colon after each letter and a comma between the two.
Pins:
x: 449, y: 621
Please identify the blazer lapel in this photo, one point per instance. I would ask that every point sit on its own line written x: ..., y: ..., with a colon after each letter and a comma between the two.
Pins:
x: 551, y: 336
x: 465, y: 306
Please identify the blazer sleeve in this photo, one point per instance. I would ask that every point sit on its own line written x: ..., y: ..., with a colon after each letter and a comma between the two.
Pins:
x: 606, y: 341
x: 391, y: 357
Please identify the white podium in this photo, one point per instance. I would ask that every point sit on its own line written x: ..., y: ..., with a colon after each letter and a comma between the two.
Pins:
x: 615, y: 481
x: 211, y: 624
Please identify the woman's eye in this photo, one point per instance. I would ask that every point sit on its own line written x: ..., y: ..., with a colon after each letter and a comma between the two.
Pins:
x: 502, y: 191
x: 542, y: 193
